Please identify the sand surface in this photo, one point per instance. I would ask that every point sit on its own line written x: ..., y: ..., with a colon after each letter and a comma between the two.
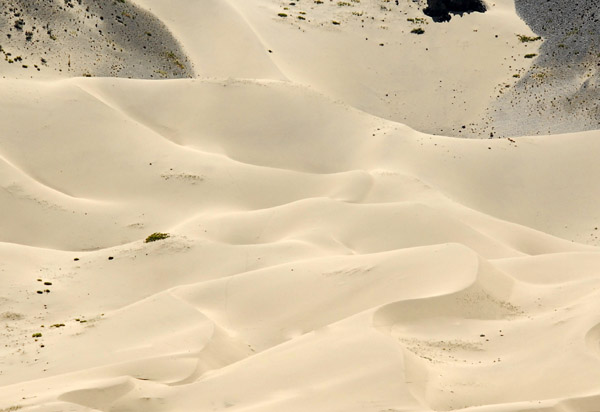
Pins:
x: 332, y: 244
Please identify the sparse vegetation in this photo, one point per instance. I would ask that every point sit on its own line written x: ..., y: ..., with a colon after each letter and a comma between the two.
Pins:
x: 19, y: 24
x: 36, y: 335
x: 173, y: 57
x: 418, y: 30
x: 156, y: 236
x: 530, y: 55
x: 33, y: 30
x: 11, y: 408
x: 573, y: 32
x: 282, y: 15
x: 526, y: 39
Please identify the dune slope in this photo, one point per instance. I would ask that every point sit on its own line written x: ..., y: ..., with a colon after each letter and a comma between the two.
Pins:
x: 52, y: 38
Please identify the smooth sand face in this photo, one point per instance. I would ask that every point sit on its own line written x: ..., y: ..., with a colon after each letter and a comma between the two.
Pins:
x: 322, y: 255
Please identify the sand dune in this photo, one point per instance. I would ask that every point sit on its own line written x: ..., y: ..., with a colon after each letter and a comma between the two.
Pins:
x: 329, y: 247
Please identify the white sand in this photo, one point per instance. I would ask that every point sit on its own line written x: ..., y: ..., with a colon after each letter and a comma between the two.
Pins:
x: 323, y: 256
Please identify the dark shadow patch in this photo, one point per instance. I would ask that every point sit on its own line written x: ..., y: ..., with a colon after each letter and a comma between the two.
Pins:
x: 441, y: 10
x: 561, y: 91
x: 88, y: 38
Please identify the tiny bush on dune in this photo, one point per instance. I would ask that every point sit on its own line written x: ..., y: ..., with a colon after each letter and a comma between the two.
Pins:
x: 527, y: 39
x: 156, y: 236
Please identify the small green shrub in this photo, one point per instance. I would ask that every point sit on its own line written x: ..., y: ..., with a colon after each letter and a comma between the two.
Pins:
x: 156, y: 236
x: 36, y: 335
x: 282, y: 15
x: 527, y: 39
x: 173, y: 57
x: 418, y: 30
x: 530, y: 55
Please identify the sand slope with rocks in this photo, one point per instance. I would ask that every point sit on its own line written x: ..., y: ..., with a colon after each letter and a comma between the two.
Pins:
x: 75, y: 38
